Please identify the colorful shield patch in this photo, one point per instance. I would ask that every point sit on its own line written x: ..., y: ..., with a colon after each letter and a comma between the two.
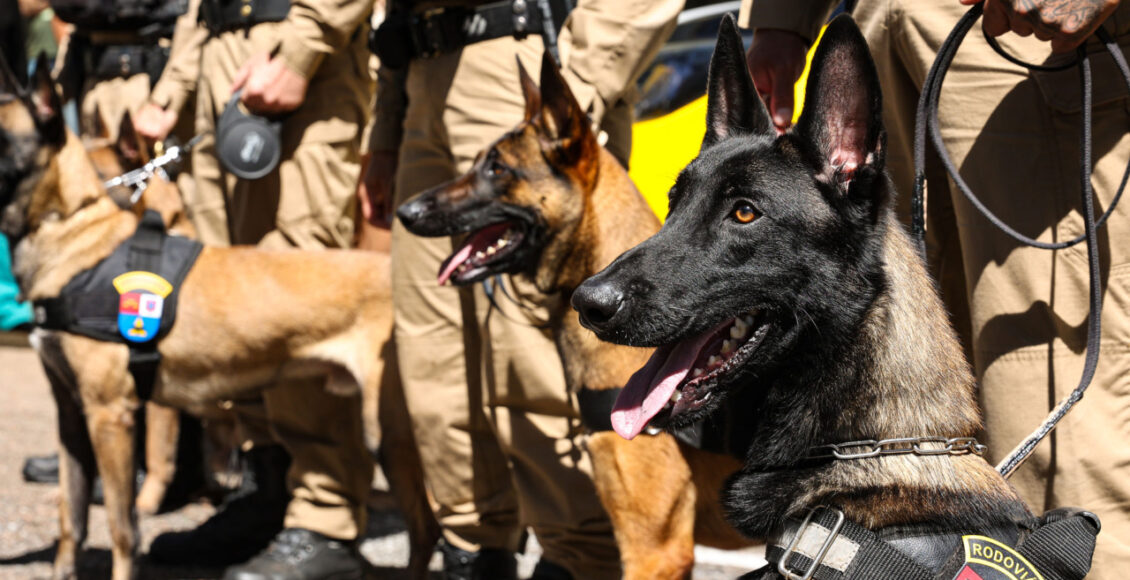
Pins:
x: 141, y: 302
x: 988, y: 559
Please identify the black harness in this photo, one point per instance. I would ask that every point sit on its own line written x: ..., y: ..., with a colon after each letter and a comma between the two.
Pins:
x: 828, y: 546
x: 92, y: 305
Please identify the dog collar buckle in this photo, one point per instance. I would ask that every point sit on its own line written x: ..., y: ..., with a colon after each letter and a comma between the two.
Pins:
x: 821, y: 552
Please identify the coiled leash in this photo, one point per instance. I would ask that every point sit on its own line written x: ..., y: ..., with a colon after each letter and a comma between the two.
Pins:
x: 927, y: 121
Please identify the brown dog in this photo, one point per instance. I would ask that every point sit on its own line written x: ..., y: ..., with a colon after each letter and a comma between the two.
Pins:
x: 548, y: 202
x: 162, y: 424
x: 327, y: 315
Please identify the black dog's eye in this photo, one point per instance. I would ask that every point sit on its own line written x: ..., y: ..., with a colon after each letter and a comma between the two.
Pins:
x: 744, y: 213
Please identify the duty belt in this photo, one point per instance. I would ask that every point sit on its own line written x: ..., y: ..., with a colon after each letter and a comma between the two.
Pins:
x: 124, y: 61
x: 406, y: 36
x: 223, y: 15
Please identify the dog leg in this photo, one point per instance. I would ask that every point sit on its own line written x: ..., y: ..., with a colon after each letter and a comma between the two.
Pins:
x: 162, y: 428
x: 400, y: 460
x: 76, y: 473
x: 111, y: 428
x: 645, y: 485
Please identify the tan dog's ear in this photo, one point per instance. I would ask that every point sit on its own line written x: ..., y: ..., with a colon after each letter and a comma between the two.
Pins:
x: 130, y: 146
x: 529, y: 91
x: 565, y: 127
x: 45, y: 104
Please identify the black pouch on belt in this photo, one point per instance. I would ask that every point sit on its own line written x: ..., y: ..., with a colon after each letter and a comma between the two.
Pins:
x: 248, y: 146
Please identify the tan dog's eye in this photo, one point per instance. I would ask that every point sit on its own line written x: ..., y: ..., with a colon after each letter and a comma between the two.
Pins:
x: 496, y: 169
x: 744, y: 213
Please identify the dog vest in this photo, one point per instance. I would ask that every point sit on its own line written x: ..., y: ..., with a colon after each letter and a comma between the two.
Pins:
x: 129, y: 297
x: 827, y: 546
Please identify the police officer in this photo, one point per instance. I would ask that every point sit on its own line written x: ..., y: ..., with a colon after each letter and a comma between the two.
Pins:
x: 113, y: 55
x: 302, y: 64
x: 1015, y: 135
x: 498, y: 433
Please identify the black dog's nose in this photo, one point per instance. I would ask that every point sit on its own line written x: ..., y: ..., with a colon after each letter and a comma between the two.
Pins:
x: 598, y: 304
x: 410, y: 212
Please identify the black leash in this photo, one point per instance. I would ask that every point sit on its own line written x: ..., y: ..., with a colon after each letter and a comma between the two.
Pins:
x: 927, y: 121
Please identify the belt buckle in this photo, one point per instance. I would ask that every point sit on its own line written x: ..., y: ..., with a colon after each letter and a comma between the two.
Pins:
x: 784, y: 570
x: 426, y: 34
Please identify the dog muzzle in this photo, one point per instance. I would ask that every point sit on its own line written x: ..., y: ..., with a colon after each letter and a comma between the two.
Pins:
x: 248, y: 146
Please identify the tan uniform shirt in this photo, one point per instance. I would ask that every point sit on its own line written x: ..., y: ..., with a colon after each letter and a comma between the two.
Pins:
x: 604, y: 46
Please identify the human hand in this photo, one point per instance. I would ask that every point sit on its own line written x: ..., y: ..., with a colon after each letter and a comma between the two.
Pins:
x: 269, y: 86
x: 154, y: 122
x: 374, y: 190
x: 776, y: 60
x: 1066, y: 23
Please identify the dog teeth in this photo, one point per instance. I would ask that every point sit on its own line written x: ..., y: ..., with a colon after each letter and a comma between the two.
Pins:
x: 697, y: 373
x: 739, y: 329
x: 491, y: 251
x: 479, y: 255
x: 727, y: 346
x: 676, y: 396
x: 713, y: 360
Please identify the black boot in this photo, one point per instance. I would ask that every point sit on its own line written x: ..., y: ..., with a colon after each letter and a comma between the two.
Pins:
x: 298, y: 554
x: 42, y: 469
x: 245, y: 523
x: 486, y: 564
x: 45, y: 469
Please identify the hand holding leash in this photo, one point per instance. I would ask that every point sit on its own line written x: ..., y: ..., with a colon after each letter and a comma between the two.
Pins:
x: 1066, y: 23
x: 154, y: 123
x: 269, y: 85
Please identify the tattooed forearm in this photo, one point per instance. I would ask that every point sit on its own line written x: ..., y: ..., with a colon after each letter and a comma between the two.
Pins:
x: 1060, y: 16
x: 1067, y: 23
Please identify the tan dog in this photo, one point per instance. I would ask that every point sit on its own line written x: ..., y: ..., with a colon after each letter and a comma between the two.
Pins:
x: 327, y: 315
x: 162, y: 424
x: 547, y: 201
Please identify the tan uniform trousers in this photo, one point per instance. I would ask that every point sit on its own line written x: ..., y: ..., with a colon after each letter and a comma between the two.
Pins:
x: 501, y: 442
x: 1015, y: 137
x: 306, y: 203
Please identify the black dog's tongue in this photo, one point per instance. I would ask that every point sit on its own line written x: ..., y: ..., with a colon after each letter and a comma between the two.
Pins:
x: 651, y: 387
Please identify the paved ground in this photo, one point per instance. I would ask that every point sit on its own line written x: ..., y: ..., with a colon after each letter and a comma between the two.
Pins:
x: 28, y: 517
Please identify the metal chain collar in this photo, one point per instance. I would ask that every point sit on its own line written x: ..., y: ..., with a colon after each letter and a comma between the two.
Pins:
x: 138, y: 179
x: 900, y: 446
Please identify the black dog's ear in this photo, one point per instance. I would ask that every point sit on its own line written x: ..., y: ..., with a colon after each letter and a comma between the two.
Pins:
x: 9, y: 84
x: 46, y: 106
x: 843, y: 105
x: 529, y: 91
x: 565, y: 128
x: 733, y: 106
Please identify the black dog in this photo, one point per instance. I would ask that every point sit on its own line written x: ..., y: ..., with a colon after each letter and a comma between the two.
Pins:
x: 782, y: 272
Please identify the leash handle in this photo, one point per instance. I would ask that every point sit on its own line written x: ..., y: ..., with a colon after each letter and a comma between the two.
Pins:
x: 927, y: 122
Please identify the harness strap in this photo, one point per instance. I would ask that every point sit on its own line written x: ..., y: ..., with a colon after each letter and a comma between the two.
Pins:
x: 828, y: 546
x: 1061, y: 548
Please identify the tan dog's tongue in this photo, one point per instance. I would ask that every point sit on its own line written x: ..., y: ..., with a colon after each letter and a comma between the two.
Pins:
x: 651, y: 387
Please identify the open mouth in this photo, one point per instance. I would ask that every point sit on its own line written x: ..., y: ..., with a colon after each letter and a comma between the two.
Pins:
x: 480, y: 252
x: 681, y: 378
